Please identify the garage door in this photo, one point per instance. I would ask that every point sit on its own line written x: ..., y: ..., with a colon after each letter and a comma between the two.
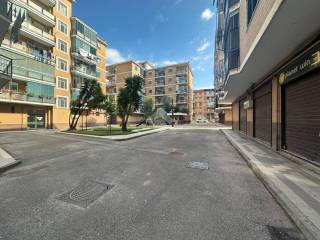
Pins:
x: 262, y: 113
x: 242, y: 117
x: 302, y: 117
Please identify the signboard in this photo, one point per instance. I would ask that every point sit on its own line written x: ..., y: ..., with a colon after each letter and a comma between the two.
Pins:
x: 247, y: 104
x: 302, y: 65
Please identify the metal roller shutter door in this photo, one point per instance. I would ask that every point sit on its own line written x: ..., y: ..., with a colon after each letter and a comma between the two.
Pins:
x: 302, y: 117
x: 262, y: 113
x: 242, y: 117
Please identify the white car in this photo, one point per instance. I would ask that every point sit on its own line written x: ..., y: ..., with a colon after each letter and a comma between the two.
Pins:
x: 202, y: 121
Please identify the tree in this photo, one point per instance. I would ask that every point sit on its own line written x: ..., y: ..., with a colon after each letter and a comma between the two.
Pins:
x: 167, y: 104
x: 129, y: 99
x: 110, y: 108
x: 90, y: 97
x: 148, y: 108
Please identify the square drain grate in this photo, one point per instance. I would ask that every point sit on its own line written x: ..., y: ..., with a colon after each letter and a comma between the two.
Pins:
x: 198, y: 165
x: 85, y: 193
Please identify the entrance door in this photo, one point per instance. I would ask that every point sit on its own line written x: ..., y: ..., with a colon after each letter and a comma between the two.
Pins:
x: 302, y: 117
x: 36, y: 119
x: 262, y: 113
x: 242, y: 117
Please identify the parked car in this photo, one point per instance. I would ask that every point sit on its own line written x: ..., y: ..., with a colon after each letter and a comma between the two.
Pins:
x: 202, y: 120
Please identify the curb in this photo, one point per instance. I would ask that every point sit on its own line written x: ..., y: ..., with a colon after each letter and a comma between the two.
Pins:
x: 12, y: 162
x: 297, y: 217
x: 119, y: 137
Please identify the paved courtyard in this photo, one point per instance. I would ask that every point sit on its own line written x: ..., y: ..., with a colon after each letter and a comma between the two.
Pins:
x: 74, y: 187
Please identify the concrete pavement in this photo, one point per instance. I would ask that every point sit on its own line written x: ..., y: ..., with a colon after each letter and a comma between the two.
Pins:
x: 71, y: 187
x: 295, y: 187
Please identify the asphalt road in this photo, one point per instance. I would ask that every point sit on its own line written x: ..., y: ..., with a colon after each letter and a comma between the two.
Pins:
x: 87, y: 189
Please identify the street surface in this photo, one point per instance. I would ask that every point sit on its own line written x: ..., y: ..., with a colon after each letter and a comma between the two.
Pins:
x: 74, y: 187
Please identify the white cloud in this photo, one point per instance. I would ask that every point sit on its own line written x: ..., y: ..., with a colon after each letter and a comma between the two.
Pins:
x: 114, y: 56
x: 161, y: 18
x: 201, y: 58
x: 177, y: 2
x: 206, y: 15
x: 205, y: 44
x: 168, y: 62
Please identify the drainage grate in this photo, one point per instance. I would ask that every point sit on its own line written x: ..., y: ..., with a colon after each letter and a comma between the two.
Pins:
x: 278, y: 233
x: 85, y: 193
x: 198, y: 165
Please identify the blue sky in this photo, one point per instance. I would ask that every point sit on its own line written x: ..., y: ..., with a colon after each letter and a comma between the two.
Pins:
x: 161, y: 31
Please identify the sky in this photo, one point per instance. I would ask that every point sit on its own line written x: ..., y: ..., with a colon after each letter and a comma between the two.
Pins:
x: 163, y: 32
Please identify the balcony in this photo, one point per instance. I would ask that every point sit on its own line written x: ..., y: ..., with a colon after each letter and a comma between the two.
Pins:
x: 38, y: 35
x: 5, y: 18
x: 83, y: 71
x: 39, y: 55
x: 26, y: 98
x: 49, y: 3
x: 110, y: 83
x: 39, y: 13
x: 5, y: 70
x: 85, y: 56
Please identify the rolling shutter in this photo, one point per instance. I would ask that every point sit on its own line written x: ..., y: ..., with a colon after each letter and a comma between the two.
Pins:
x: 302, y: 117
x: 262, y: 113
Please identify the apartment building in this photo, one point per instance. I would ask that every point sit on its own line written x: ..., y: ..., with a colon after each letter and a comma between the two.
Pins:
x: 45, y: 67
x: 204, y: 104
x: 272, y: 72
x: 174, y: 81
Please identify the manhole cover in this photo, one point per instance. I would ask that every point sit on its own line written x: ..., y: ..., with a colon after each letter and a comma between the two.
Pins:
x: 177, y: 155
x: 198, y: 165
x: 277, y: 233
x: 85, y: 193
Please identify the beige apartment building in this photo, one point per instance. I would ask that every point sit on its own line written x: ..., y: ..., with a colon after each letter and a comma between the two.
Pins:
x: 174, y: 81
x: 53, y: 54
x: 204, y: 104
x: 271, y: 67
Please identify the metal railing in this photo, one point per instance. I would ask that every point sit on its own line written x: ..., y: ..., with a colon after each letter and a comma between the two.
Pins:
x: 5, y: 66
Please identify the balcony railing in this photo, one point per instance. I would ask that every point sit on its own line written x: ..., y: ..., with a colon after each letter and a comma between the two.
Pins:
x: 40, y: 55
x: 6, y: 9
x: 21, y: 71
x: 84, y: 71
x: 5, y: 66
x: 39, y: 12
x: 26, y: 97
x: 43, y: 36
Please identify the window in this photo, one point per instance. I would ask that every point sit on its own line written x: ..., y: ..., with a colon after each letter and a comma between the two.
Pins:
x: 63, y: 9
x: 251, y: 6
x: 62, y: 64
x: 169, y: 89
x: 62, y: 83
x: 14, y: 87
x: 150, y: 83
x: 150, y: 73
x: 150, y: 91
x: 63, y: 46
x: 62, y: 102
x: 62, y: 27
x: 170, y: 79
x: 170, y: 70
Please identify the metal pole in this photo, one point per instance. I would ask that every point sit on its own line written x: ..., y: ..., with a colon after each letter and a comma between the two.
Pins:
x: 172, y: 115
x: 86, y: 120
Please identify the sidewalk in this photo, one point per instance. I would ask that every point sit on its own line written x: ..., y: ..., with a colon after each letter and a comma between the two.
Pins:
x: 121, y: 137
x: 6, y: 161
x: 295, y: 188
